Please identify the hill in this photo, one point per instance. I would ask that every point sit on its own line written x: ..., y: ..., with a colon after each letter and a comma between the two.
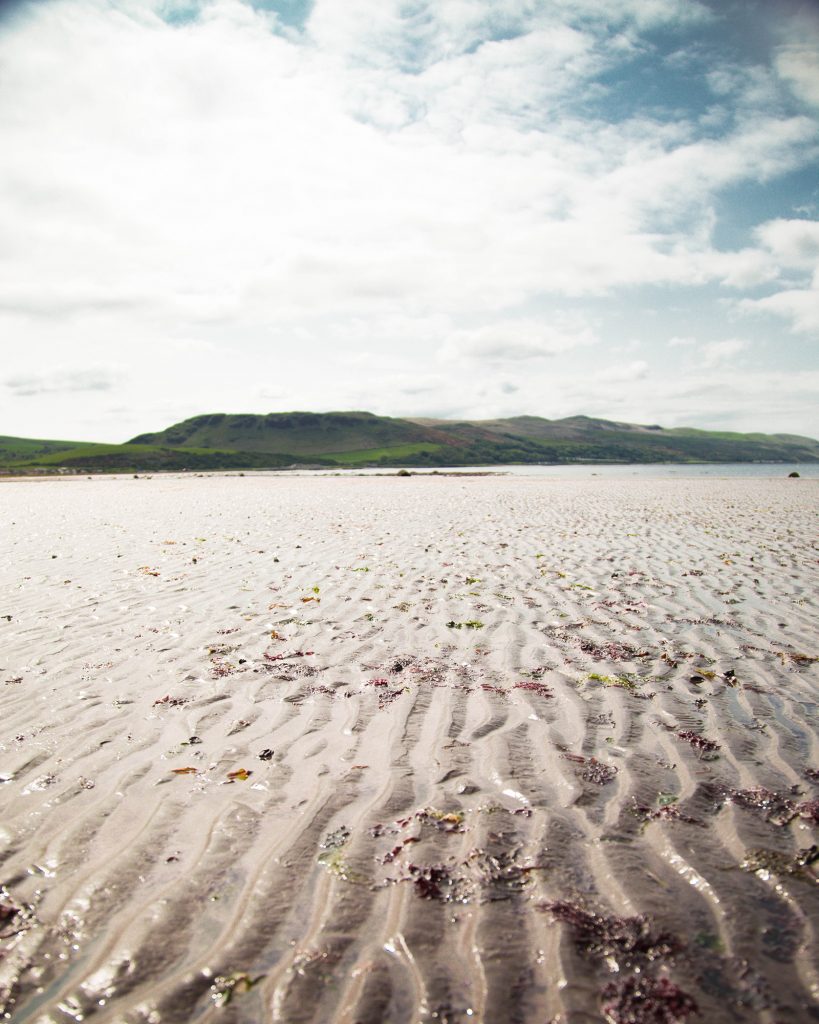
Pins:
x: 346, y: 439
x: 22, y: 455
x: 295, y: 433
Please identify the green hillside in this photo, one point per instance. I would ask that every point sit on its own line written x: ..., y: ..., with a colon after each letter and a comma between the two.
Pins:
x: 347, y: 439
x: 21, y: 455
x: 294, y: 433
x: 585, y: 439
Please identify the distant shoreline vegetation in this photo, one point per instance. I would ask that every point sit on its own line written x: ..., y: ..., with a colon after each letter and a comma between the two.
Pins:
x: 346, y: 440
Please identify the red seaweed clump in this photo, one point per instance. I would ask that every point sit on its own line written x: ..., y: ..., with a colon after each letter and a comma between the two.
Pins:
x: 627, y: 940
x: 486, y: 875
x: 452, y: 821
x: 14, y: 918
x: 612, y: 651
x: 666, y: 812
x: 541, y: 689
x: 489, y: 688
x: 8, y: 912
x: 385, y: 695
x: 639, y: 999
x: 171, y: 702
x: 778, y: 809
x: 437, y: 882
x: 499, y: 874
x: 327, y: 691
x: 593, y: 770
x: 809, y: 810
x: 698, y: 742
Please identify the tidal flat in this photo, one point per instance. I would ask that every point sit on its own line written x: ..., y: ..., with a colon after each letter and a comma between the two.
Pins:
x: 380, y: 749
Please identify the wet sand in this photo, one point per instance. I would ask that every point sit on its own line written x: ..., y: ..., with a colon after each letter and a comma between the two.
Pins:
x: 401, y: 750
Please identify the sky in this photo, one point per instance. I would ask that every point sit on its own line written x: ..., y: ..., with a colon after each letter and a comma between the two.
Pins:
x: 446, y: 208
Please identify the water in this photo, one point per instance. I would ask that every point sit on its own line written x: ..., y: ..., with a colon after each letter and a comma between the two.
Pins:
x: 617, y: 471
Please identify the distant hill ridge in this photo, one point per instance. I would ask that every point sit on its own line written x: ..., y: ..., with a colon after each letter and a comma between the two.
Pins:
x: 357, y: 438
x: 516, y: 439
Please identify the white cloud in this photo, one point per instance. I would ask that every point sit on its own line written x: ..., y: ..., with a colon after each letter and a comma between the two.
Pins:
x: 797, y: 59
x: 56, y: 381
x: 518, y: 340
x: 746, y: 268
x: 799, y: 305
x: 794, y: 246
x: 625, y: 374
x: 793, y: 243
x: 394, y: 181
x: 236, y: 176
x: 718, y: 353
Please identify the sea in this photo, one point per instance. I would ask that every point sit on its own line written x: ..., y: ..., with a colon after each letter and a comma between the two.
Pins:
x: 584, y: 471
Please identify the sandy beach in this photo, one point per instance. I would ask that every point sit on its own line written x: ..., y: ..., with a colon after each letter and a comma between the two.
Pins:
x: 367, y: 750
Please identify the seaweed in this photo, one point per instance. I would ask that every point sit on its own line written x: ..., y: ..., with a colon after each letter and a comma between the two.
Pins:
x: 541, y: 689
x: 779, y: 809
x: 451, y: 821
x: 326, y: 691
x: 639, y: 999
x: 796, y: 657
x: 611, y: 651
x: 333, y: 860
x: 494, y: 689
x: 665, y: 811
x: 598, y: 773
x: 469, y: 624
x: 537, y: 673
x: 385, y: 695
x: 437, y: 882
x: 171, y: 702
x: 627, y: 942
x: 336, y: 839
x: 333, y: 856
x: 700, y: 743
x: 225, y: 987
x: 15, y: 918
x: 593, y: 770
x: 771, y: 862
x: 389, y: 857
x: 289, y: 654
x: 488, y: 876
x: 499, y: 875
x: 624, y: 682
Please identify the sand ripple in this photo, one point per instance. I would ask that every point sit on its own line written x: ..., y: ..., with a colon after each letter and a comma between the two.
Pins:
x: 400, y: 750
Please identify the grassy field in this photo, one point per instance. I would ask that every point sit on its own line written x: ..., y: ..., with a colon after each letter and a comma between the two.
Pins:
x: 27, y: 455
